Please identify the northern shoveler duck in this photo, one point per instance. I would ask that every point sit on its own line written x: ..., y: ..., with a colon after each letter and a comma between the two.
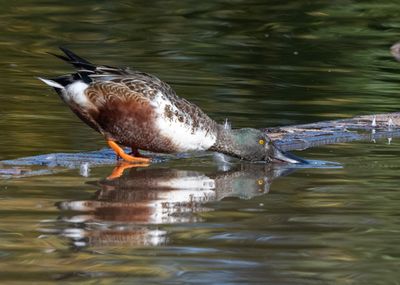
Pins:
x: 138, y: 110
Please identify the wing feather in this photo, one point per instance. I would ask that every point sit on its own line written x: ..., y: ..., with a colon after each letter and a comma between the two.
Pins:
x: 103, y: 92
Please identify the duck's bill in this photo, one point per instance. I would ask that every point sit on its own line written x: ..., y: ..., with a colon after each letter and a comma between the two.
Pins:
x: 281, y: 156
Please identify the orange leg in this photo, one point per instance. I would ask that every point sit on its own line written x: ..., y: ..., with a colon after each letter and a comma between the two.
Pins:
x: 120, y: 152
x: 121, y: 167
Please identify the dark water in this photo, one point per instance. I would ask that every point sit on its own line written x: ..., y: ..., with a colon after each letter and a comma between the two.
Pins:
x: 258, y: 63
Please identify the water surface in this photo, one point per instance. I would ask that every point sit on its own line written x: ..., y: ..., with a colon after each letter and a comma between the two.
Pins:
x: 184, y: 221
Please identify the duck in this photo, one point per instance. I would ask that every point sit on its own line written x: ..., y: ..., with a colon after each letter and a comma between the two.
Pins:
x: 137, y: 110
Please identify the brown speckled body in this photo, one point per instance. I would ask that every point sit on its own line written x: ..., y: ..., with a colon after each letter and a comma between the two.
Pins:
x: 124, y: 112
x: 140, y: 111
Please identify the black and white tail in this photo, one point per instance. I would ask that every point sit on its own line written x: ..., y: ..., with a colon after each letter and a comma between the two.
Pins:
x: 85, y: 71
x: 83, y: 67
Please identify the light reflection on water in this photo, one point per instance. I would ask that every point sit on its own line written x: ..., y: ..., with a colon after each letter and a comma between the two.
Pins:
x: 258, y: 63
x: 186, y: 221
x: 154, y: 196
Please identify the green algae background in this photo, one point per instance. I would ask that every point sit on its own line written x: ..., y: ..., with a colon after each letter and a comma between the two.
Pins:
x: 257, y: 63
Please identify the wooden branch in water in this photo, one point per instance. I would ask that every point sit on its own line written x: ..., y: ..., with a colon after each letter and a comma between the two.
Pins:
x: 298, y: 137
x: 371, y: 127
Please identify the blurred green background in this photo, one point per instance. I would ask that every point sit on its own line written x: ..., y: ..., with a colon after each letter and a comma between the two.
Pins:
x: 259, y: 63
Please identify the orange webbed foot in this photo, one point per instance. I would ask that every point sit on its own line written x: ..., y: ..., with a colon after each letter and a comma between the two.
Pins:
x: 121, y: 153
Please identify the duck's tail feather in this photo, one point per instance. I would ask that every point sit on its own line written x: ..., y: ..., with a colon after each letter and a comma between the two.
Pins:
x: 60, y: 82
x: 81, y: 64
x: 85, y: 70
x: 73, y: 57
x: 53, y: 82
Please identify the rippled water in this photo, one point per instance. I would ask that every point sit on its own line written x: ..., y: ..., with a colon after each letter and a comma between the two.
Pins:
x: 184, y: 221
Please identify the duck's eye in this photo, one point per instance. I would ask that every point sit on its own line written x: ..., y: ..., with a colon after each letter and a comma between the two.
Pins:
x: 261, y: 141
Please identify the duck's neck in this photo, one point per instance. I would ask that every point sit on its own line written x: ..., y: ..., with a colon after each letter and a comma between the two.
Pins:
x: 226, y: 142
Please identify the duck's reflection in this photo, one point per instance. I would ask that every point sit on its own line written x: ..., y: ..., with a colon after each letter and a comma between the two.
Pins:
x: 130, y: 209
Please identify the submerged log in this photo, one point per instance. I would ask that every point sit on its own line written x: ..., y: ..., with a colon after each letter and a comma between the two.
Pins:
x: 297, y: 137
x: 361, y: 128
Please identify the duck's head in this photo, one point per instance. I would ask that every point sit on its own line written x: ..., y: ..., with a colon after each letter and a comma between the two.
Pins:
x: 252, y: 145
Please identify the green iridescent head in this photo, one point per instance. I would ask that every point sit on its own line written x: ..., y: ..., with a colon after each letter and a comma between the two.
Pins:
x: 252, y: 145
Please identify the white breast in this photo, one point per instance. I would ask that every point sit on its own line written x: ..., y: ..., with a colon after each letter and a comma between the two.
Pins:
x: 181, y: 133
